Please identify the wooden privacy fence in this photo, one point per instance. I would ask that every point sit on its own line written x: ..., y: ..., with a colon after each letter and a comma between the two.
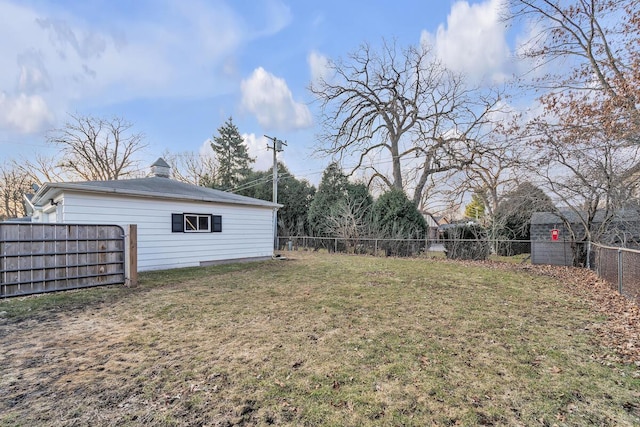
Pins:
x: 37, y: 258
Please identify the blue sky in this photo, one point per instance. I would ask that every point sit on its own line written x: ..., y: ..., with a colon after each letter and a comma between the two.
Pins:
x: 178, y: 69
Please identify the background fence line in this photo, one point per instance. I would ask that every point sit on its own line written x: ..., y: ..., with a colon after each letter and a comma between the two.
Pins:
x: 37, y: 258
x: 391, y: 247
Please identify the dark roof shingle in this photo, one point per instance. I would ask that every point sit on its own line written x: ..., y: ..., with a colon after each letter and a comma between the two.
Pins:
x: 156, y: 187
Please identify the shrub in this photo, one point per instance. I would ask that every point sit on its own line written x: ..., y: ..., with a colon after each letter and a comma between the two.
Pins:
x: 466, y: 242
x: 512, y: 218
x: 396, y: 218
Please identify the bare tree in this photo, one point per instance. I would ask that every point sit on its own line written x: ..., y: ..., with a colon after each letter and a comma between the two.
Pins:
x: 592, y: 49
x: 500, y: 169
x: 14, y: 184
x: 442, y: 195
x: 596, y: 179
x: 588, y: 53
x: 93, y: 148
x: 349, y: 220
x: 192, y: 168
x: 401, y: 106
x: 41, y: 168
x: 493, y: 174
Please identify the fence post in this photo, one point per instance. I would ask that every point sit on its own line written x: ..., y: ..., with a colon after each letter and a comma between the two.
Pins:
x: 589, y: 255
x: 131, y: 255
x: 335, y: 246
x: 620, y: 272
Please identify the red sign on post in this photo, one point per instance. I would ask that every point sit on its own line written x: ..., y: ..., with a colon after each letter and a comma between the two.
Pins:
x: 555, y: 233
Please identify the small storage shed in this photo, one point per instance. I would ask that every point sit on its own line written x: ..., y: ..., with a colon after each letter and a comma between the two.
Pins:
x: 620, y: 228
x: 179, y: 224
x: 545, y: 250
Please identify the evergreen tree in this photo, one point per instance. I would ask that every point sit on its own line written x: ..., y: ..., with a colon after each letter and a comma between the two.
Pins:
x: 475, y: 209
x: 234, y: 163
x: 331, y: 191
x: 397, y: 217
x: 295, y: 196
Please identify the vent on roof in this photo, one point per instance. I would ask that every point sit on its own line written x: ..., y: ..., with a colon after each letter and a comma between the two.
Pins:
x: 160, y: 168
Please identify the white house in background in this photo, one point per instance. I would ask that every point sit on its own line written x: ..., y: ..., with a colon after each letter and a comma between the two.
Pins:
x: 432, y: 224
x: 179, y: 224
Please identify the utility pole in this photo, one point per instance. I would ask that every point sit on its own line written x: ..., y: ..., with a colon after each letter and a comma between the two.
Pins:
x: 276, y: 147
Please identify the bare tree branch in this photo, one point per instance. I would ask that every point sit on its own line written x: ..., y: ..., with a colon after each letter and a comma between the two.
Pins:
x: 404, y: 105
x: 192, y: 168
x: 14, y: 184
x: 599, y: 43
x: 97, y: 149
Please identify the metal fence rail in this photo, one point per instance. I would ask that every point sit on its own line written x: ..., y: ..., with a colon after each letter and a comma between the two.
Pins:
x: 397, y: 247
x: 618, y: 266
x: 380, y: 247
x: 37, y: 258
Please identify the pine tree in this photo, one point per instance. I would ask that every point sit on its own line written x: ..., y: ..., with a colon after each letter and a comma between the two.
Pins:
x: 295, y: 196
x: 232, y: 155
x: 332, y: 190
x: 475, y: 209
x: 397, y: 217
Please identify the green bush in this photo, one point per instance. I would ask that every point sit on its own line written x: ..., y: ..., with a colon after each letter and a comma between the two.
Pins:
x: 396, y: 218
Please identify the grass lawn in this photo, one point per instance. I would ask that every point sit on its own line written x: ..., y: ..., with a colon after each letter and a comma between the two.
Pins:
x: 316, y: 340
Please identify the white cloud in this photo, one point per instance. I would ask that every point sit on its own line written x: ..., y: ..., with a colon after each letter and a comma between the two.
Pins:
x: 33, y: 74
x: 276, y: 14
x: 60, y: 59
x: 24, y: 113
x: 257, y: 147
x: 63, y: 60
x: 319, y: 66
x: 205, y: 150
x: 474, y: 40
x: 268, y: 97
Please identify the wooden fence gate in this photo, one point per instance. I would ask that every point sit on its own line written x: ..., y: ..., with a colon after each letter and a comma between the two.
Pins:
x: 37, y: 258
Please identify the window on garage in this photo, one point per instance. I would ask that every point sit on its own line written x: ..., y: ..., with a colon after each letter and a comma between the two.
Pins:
x: 196, y: 223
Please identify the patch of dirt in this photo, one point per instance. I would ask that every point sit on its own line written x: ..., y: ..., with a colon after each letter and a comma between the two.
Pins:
x: 57, y: 359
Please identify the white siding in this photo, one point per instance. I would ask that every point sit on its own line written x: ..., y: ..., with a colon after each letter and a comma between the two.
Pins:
x: 247, y: 232
x: 430, y: 221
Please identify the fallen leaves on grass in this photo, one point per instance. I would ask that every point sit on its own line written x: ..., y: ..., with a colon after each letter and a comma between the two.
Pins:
x: 621, y: 329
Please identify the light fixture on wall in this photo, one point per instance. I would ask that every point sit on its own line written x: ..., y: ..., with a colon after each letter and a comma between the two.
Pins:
x: 53, y: 203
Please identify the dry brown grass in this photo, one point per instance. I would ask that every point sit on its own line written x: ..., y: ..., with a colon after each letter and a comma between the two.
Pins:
x: 315, y: 340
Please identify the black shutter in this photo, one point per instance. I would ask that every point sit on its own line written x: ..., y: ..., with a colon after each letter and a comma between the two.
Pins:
x: 177, y: 223
x: 216, y: 223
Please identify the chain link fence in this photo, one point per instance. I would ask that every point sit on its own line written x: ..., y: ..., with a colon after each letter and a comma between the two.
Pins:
x: 365, y: 246
x: 618, y: 266
x: 457, y: 248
